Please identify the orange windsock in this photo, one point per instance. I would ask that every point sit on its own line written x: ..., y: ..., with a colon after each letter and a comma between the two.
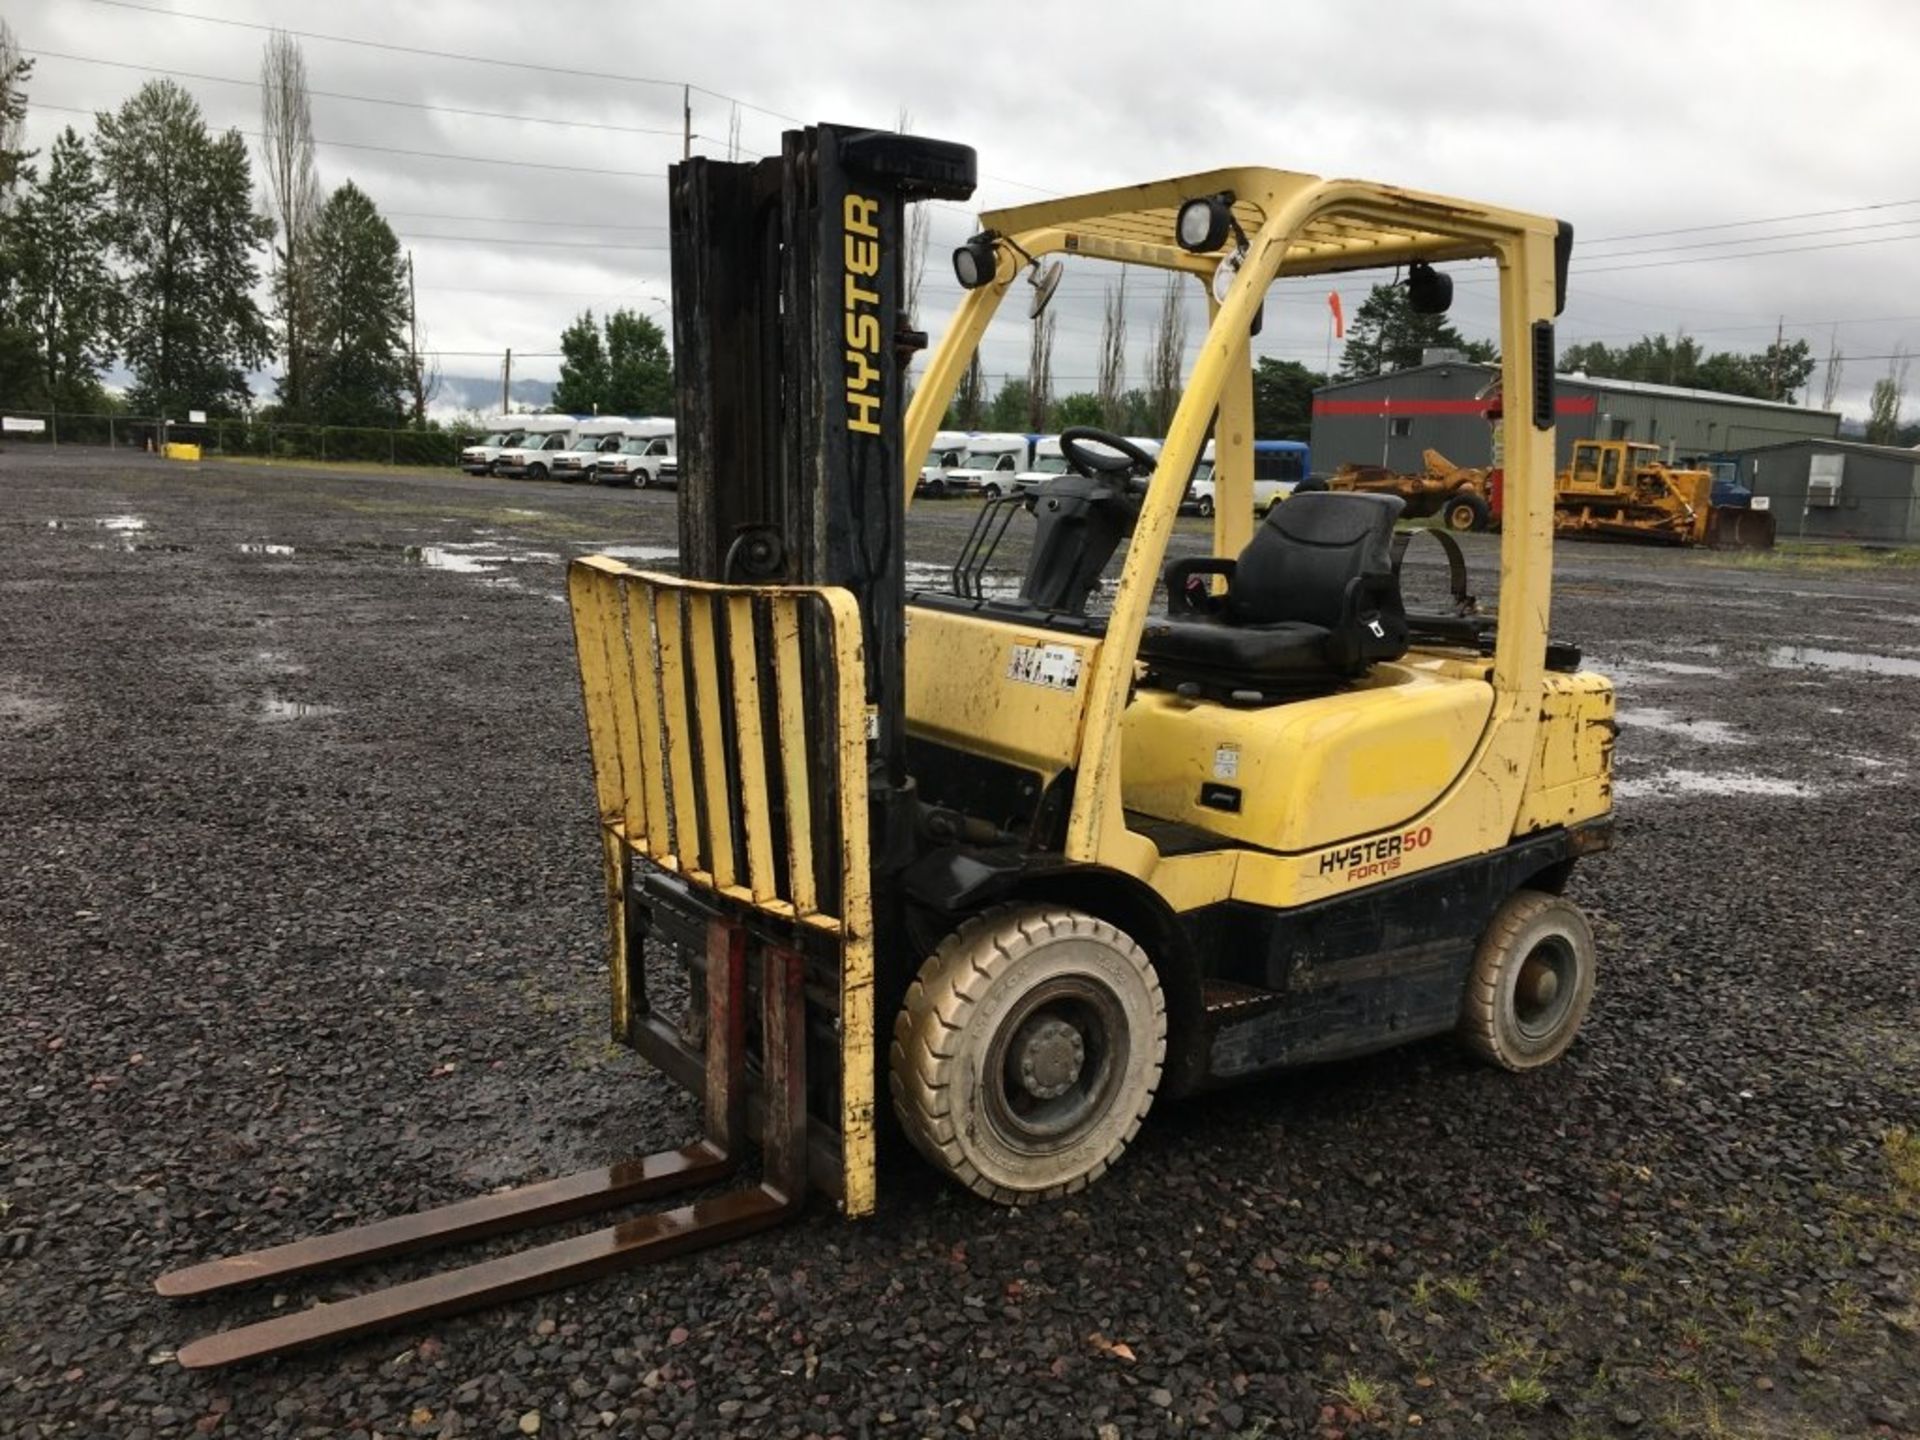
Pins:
x: 1339, y: 315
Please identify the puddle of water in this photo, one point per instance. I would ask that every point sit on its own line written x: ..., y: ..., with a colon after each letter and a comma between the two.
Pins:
x: 1667, y: 784
x: 21, y: 707
x: 122, y: 522
x: 262, y: 548
x: 444, y: 557
x: 1653, y: 717
x: 273, y: 708
x: 926, y: 575
x: 474, y: 557
x: 1802, y: 657
x: 637, y: 552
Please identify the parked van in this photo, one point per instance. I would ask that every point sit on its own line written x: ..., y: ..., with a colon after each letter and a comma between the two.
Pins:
x: 949, y: 450
x: 989, y: 464
x: 546, y: 436
x: 645, y: 456
x: 588, y: 445
x: 502, y: 431
x: 1278, y: 466
x: 1049, y: 460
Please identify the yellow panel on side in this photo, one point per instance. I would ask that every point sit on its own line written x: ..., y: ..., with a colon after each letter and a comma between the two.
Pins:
x: 1304, y: 774
x: 996, y: 688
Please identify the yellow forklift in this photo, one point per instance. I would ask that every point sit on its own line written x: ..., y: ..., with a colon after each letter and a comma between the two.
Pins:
x: 1024, y: 862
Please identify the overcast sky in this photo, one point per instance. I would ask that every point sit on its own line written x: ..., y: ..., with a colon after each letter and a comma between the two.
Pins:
x: 1625, y: 119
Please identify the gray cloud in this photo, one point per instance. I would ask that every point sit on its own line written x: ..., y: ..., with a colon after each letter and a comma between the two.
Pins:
x: 1637, y: 118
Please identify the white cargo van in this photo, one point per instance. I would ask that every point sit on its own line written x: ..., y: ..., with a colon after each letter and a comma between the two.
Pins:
x: 949, y: 449
x: 1048, y: 461
x: 589, y: 446
x: 502, y: 431
x: 545, y: 437
x: 989, y: 465
x: 644, y: 458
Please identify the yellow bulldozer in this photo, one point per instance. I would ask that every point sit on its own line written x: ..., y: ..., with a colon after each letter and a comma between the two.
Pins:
x: 988, y: 874
x: 1610, y: 490
x: 1619, y: 490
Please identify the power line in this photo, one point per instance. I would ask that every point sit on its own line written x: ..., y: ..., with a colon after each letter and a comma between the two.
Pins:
x: 511, y: 220
x: 523, y: 240
x: 1766, y: 220
x: 391, y: 47
x: 1746, y: 255
x: 395, y: 150
x: 675, y: 131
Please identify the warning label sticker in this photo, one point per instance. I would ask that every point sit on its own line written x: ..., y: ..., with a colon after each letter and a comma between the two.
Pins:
x: 1226, y: 762
x: 1057, y: 667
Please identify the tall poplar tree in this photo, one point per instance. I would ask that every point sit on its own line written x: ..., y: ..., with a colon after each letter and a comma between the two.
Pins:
x: 188, y: 243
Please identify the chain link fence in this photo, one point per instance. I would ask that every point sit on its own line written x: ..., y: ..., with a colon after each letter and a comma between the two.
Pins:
x: 265, y: 440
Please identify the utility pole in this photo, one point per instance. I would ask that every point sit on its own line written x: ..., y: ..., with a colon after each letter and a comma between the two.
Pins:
x: 686, y: 122
x: 506, y: 383
x: 413, y: 346
x: 1773, y: 361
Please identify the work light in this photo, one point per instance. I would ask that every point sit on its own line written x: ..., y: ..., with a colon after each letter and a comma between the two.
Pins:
x: 1203, y: 224
x: 976, y: 262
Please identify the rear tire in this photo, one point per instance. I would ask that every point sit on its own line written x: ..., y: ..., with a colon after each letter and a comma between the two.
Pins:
x: 1465, y: 510
x: 1531, y: 984
x: 1028, y: 1051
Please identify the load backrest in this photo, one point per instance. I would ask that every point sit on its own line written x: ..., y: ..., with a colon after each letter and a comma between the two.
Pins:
x: 1302, y: 559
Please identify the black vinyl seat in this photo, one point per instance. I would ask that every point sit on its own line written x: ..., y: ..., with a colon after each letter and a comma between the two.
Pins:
x: 1312, y: 601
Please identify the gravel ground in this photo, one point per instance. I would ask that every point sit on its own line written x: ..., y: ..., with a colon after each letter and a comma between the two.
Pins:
x: 299, y: 926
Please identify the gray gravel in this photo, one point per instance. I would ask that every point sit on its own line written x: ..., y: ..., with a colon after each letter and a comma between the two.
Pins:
x: 299, y: 925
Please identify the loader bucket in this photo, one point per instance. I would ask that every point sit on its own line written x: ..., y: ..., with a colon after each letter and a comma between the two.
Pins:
x: 1734, y: 527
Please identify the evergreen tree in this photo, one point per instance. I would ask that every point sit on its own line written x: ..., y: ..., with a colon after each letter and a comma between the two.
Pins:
x: 639, y: 370
x: 583, y: 368
x: 1387, y: 334
x: 55, y: 243
x: 1283, y: 399
x: 359, y: 371
x: 187, y: 239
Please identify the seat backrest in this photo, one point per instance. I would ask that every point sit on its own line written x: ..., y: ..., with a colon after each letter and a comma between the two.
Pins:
x: 1301, y: 560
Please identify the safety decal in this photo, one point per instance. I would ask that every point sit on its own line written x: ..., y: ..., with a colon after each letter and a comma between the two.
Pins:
x: 1055, y: 667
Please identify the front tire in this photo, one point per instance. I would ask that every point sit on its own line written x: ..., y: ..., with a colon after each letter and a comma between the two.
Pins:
x: 536, y: 471
x: 1531, y: 984
x: 1205, y: 507
x: 1028, y: 1051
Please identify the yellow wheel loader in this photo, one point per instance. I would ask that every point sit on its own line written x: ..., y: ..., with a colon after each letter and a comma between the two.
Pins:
x: 1011, y: 867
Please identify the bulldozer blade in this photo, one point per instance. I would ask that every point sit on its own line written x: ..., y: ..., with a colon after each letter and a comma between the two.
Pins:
x: 543, y: 1204
x: 638, y: 1241
x: 1733, y: 527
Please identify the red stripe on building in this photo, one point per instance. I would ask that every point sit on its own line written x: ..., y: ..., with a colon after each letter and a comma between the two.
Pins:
x: 1562, y: 405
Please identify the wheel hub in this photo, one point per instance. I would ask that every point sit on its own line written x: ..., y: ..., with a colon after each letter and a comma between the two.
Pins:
x: 1539, y: 984
x: 1048, y: 1056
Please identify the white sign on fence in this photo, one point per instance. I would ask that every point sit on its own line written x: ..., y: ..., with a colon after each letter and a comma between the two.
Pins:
x: 196, y: 417
x: 23, y: 426
x: 1762, y: 502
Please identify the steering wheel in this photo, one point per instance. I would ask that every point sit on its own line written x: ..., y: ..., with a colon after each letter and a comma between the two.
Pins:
x: 1130, y: 459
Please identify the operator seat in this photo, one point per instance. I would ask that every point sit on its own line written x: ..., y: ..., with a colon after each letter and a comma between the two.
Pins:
x: 1312, y: 601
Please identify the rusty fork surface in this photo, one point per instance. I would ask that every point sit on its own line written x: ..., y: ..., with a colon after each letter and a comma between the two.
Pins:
x: 640, y: 1240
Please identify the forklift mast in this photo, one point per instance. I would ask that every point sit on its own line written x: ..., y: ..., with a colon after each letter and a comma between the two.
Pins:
x: 792, y: 349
